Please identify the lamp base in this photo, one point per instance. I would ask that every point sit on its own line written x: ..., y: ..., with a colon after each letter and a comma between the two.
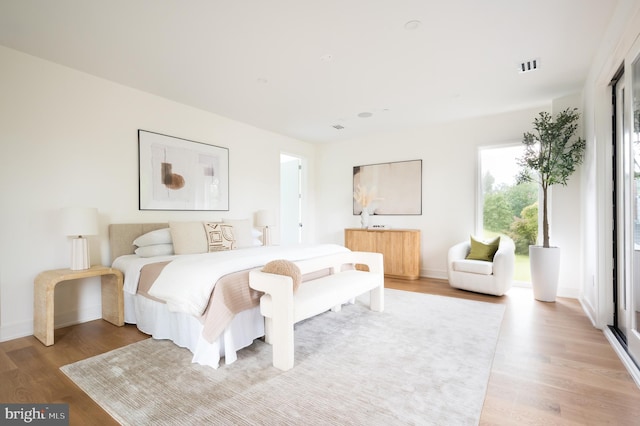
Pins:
x: 79, y: 254
x: 266, y: 237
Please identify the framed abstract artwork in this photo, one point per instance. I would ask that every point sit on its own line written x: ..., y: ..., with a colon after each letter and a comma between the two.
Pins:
x: 179, y: 174
x: 388, y: 188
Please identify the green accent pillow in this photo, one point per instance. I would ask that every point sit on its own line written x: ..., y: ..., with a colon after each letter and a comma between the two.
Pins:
x: 483, y: 250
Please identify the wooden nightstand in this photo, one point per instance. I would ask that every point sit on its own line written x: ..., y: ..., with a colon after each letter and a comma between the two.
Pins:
x: 44, y: 286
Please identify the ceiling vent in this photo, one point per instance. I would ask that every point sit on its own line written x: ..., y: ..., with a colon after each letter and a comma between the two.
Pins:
x: 528, y: 66
x: 337, y: 127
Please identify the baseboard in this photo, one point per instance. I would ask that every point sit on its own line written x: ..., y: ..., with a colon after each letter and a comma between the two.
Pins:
x: 64, y: 319
x: 587, y: 308
x: 435, y: 274
x: 572, y: 293
x: 628, y: 363
x: 442, y: 275
x: 16, y: 330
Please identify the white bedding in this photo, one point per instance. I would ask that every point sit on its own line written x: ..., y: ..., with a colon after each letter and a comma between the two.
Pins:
x: 153, y: 318
x: 198, y: 273
x: 178, y: 320
x: 131, y: 265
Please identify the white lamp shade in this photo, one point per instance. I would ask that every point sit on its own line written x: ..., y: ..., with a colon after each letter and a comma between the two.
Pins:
x: 78, y: 221
x: 264, y: 218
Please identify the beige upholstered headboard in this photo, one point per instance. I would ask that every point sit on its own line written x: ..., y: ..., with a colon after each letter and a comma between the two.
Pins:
x: 121, y: 236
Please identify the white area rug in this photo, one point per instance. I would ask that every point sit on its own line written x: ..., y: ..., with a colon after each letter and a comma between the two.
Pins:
x: 425, y: 360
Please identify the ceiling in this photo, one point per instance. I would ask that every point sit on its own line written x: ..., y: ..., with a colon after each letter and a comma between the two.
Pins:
x: 301, y: 67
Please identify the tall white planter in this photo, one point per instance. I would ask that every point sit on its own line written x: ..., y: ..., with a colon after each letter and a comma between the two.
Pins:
x: 545, y: 270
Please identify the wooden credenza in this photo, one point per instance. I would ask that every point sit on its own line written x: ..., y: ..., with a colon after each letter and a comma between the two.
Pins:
x: 399, y: 247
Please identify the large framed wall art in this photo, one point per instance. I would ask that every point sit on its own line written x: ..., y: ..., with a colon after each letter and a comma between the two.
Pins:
x: 179, y: 174
x: 388, y: 188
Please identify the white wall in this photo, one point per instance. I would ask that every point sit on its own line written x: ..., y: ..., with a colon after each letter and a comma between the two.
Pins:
x: 68, y: 138
x: 449, y: 155
x: 565, y: 218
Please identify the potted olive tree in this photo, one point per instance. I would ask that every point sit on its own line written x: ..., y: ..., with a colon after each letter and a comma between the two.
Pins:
x: 551, y: 155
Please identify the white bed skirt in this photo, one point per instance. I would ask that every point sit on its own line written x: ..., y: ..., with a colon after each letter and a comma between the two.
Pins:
x: 155, y: 319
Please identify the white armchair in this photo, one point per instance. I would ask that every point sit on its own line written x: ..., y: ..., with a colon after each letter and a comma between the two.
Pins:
x: 481, y: 276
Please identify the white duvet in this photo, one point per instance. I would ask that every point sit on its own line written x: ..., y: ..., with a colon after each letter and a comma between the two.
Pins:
x: 186, y: 283
x: 131, y: 265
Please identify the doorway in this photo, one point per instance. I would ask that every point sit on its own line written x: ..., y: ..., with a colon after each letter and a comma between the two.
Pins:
x: 290, y: 199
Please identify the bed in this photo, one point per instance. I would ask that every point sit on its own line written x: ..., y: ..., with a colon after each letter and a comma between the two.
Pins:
x: 199, y: 300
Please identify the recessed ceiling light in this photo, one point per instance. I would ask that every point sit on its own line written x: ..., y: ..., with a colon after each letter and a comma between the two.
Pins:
x: 412, y: 25
x: 365, y: 115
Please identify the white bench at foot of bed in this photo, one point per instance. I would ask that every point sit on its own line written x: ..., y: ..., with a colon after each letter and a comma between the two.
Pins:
x: 282, y: 308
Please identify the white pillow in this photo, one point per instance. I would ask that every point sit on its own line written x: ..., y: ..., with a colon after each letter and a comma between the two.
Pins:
x: 159, y: 236
x: 155, y: 250
x: 241, y: 232
x: 188, y: 237
x: 257, y: 237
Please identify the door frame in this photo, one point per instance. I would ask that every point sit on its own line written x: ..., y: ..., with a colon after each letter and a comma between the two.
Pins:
x: 625, y: 206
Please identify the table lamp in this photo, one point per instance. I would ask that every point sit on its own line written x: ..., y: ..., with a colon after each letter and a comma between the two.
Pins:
x: 264, y: 220
x: 78, y: 222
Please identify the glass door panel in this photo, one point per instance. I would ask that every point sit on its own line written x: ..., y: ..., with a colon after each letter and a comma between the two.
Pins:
x: 633, y: 132
x: 624, y: 250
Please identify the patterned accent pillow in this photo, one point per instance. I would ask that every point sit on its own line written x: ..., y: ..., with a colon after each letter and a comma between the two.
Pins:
x: 219, y: 236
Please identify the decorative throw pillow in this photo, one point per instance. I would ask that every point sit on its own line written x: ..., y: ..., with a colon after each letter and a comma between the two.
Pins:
x: 483, y: 250
x: 219, y: 236
x: 241, y: 232
x: 188, y: 237
x: 159, y: 236
x: 285, y: 267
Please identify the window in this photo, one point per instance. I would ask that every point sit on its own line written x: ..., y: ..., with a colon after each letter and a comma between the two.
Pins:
x: 506, y: 208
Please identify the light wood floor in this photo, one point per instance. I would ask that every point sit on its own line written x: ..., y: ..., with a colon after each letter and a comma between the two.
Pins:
x: 551, y: 366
